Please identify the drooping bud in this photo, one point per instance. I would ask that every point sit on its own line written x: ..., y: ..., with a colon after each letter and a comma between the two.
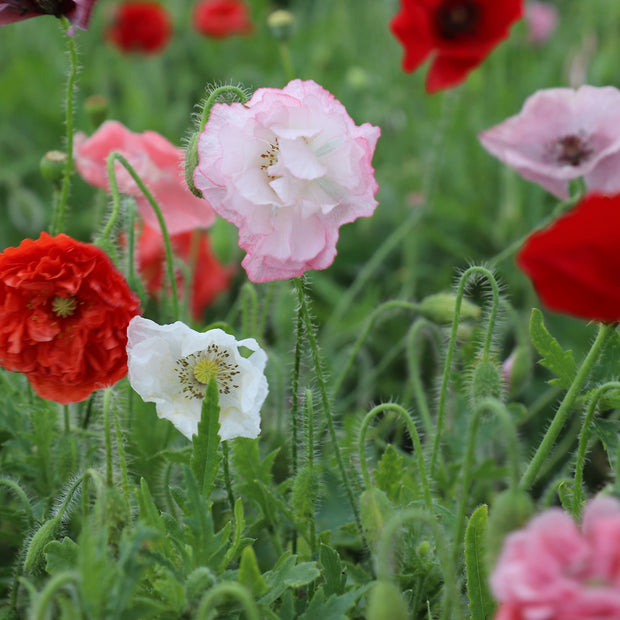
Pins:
x: 375, y: 510
x: 386, y: 602
x: 305, y: 493
x: 486, y: 381
x: 191, y: 162
x: 281, y: 23
x: 440, y: 308
x: 52, y: 166
x: 33, y: 562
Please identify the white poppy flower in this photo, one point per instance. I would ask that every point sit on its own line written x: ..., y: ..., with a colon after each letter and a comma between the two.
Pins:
x: 171, y: 365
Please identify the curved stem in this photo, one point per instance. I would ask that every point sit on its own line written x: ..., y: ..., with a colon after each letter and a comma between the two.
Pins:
x: 39, y: 611
x: 23, y: 498
x: 231, y: 589
x: 583, y: 444
x: 529, y: 477
x: 479, y: 271
x: 212, y: 100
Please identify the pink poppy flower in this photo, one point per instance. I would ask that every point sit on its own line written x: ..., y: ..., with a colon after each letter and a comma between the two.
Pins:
x: 157, y: 162
x: 288, y: 169
x: 541, y: 19
x: 76, y: 11
x: 552, y: 570
x: 563, y: 134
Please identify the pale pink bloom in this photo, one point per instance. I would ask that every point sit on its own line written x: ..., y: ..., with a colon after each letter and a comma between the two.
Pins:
x: 541, y: 19
x: 563, y: 134
x: 288, y: 169
x: 159, y: 165
x: 552, y: 570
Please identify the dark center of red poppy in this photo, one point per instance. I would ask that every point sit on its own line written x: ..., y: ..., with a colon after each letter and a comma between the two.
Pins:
x: 54, y: 7
x: 64, y: 306
x: 572, y: 150
x: 456, y: 18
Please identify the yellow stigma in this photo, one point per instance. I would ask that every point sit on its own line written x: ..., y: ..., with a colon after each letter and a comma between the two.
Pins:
x: 64, y: 306
x: 205, y: 369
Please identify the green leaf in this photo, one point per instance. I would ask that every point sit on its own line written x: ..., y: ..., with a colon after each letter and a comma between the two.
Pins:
x: 389, y: 475
x: 287, y: 574
x: 205, y: 459
x: 249, y: 573
x: 607, y: 431
x: 333, y: 607
x: 566, y: 495
x: 558, y: 361
x: 333, y: 570
x: 60, y: 556
x: 481, y: 603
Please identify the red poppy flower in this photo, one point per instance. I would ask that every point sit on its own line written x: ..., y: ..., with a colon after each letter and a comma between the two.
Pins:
x: 209, y: 276
x: 139, y: 27
x: 76, y: 11
x: 575, y: 262
x: 222, y: 18
x: 64, y: 311
x: 459, y: 33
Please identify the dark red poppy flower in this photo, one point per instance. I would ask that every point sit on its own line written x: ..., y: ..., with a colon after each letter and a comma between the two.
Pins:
x: 139, y: 27
x: 222, y: 18
x: 64, y: 311
x: 209, y: 276
x: 459, y: 34
x: 76, y: 11
x: 575, y: 262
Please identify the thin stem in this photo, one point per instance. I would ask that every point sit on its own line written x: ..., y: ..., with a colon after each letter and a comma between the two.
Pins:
x: 212, y: 100
x: 43, y: 600
x: 109, y: 475
x: 287, y: 61
x: 227, y: 482
x: 583, y: 444
x: 295, y: 389
x: 229, y: 589
x: 310, y: 457
x: 309, y: 329
x: 122, y: 460
x: 529, y: 477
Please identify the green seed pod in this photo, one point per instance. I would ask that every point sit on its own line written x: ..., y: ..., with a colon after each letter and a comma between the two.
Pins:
x: 52, y: 167
x: 45, y: 534
x: 281, y: 23
x: 486, y: 381
x: 191, y: 162
x: 440, y: 308
x: 96, y: 107
x: 305, y: 493
x: 375, y: 511
x: 510, y: 511
x: 386, y: 602
x: 199, y: 580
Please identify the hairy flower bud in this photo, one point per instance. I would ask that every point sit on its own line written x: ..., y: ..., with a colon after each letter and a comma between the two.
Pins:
x: 486, y: 381
x: 440, y: 308
x: 191, y: 161
x: 305, y: 492
x: 33, y: 562
x: 386, y: 602
x: 375, y: 510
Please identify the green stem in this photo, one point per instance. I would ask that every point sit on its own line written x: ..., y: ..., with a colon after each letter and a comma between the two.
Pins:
x: 230, y: 589
x: 249, y: 310
x: 58, y: 218
x: 227, y: 482
x: 122, y: 460
x: 583, y: 444
x: 65, y: 411
x: 109, y: 476
x: 212, y: 100
x: 310, y: 335
x: 529, y: 477
x: 116, y: 201
x: 287, y: 61
x: 295, y: 390
x: 477, y: 271
x: 310, y: 458
x: 43, y: 600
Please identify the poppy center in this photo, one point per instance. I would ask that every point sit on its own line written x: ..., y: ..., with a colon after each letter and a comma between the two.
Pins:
x: 270, y: 156
x: 64, y: 306
x: 455, y: 18
x: 205, y: 370
x: 571, y: 150
x: 55, y: 7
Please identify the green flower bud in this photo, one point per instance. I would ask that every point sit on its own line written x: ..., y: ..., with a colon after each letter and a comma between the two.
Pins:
x: 199, y: 580
x: 486, y: 381
x: 281, y: 24
x: 96, y: 107
x: 305, y: 493
x: 375, y: 511
x: 45, y: 534
x: 386, y: 602
x: 440, y: 308
x: 52, y: 167
x: 517, y: 369
x: 191, y: 162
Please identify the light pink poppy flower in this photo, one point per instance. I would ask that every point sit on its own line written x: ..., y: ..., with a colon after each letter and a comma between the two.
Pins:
x: 288, y: 169
x: 159, y: 165
x: 563, y: 134
x: 552, y: 570
x: 541, y: 19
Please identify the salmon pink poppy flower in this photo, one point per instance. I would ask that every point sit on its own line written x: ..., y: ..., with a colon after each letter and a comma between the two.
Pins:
x: 288, y: 168
x: 458, y: 34
x: 574, y: 263
x: 157, y: 162
x: 209, y: 277
x: 554, y: 570
x: 563, y: 134
x: 64, y: 311
x: 139, y: 27
x: 222, y: 18
x: 76, y: 11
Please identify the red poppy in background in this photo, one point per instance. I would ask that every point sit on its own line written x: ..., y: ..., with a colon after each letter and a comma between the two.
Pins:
x: 575, y: 262
x: 139, y: 27
x: 209, y: 276
x: 64, y: 311
x: 76, y: 11
x: 222, y: 18
x: 459, y: 34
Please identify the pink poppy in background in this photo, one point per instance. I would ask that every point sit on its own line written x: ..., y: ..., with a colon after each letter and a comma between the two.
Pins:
x: 209, y: 277
x: 157, y: 162
x: 457, y: 34
x: 563, y: 134
x: 288, y: 168
x: 222, y: 18
x: 554, y: 570
x: 139, y: 27
x: 541, y: 19
x: 76, y: 11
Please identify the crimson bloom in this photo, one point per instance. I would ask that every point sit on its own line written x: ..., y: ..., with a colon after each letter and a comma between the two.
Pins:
x: 459, y: 34
x: 574, y: 263
x: 76, y: 11
x: 222, y: 18
x: 139, y: 27
x: 64, y: 311
x: 209, y: 276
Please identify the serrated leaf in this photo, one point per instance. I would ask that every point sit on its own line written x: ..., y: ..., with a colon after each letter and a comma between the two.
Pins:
x: 559, y: 362
x: 249, y: 573
x: 481, y: 603
x: 333, y: 570
x: 287, y: 574
x: 60, y: 556
x: 388, y: 476
x: 333, y: 607
x: 607, y: 431
x: 205, y: 458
